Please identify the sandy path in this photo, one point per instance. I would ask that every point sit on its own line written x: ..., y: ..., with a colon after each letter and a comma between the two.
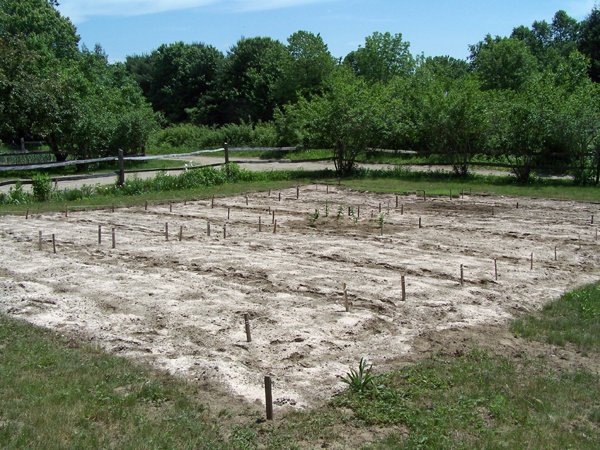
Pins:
x: 180, y: 305
x: 255, y: 164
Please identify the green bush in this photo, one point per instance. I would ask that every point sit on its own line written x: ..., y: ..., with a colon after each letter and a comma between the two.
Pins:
x: 42, y: 187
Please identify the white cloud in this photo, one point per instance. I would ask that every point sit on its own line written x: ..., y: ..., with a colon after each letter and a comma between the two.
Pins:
x: 81, y: 10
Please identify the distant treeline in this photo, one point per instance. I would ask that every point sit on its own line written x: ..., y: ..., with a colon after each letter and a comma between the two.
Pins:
x: 529, y: 99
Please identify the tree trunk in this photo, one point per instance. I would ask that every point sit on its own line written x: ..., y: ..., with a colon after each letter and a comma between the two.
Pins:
x: 60, y: 156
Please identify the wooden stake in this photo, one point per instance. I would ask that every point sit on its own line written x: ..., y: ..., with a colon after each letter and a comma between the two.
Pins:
x: 53, y: 243
x: 531, y: 262
x: 228, y: 212
x: 381, y: 230
x: 462, y: 275
x: 388, y: 208
x: 27, y: 214
x: 280, y: 196
x: 66, y: 212
x: 403, y: 283
x: 495, y: 269
x: 146, y: 205
x: 259, y: 224
x: 114, y: 240
x: 246, y: 200
x: 40, y: 241
x: 180, y: 233
x: 208, y: 228
x: 297, y: 192
x: 247, y: 324
x: 346, y: 303
x: 402, y: 209
x: 327, y: 189
x: 517, y: 205
x: 450, y: 194
x: 273, y: 214
x: 592, y: 219
x: 379, y: 206
x: 492, y: 210
x: 396, y: 201
x: 269, y: 192
x: 358, y: 211
x: 170, y: 207
x: 555, y: 253
x: 225, y: 231
x: 269, y: 397
x: 274, y: 226
x: 420, y: 225
x: 99, y: 234
x: 112, y: 208
x: 424, y: 197
x: 166, y: 231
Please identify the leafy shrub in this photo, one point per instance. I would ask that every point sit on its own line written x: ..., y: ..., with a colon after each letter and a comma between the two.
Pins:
x: 16, y: 195
x: 359, y: 380
x: 42, y: 187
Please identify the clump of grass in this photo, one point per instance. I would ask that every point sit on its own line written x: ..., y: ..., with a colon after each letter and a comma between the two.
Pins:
x: 359, y: 380
x: 312, y: 218
x: 573, y: 319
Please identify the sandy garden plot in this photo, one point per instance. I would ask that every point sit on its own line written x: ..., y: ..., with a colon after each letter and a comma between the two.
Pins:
x: 180, y: 304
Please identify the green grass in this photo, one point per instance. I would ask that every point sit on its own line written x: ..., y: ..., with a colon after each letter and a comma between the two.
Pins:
x: 96, y: 168
x: 441, y: 184
x: 574, y: 319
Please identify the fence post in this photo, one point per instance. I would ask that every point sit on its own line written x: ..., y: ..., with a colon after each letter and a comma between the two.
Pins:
x: 121, y: 179
x: 23, y: 149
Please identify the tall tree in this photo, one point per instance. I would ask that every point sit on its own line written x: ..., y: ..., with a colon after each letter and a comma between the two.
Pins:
x: 252, y: 70
x: 589, y: 42
x: 175, y: 76
x: 502, y: 63
x: 383, y: 57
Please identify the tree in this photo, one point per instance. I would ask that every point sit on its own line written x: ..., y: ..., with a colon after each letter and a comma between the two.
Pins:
x: 502, y: 63
x: 589, y: 42
x: 454, y: 121
x: 308, y: 66
x: 252, y: 70
x: 175, y: 77
x: 348, y: 117
x: 383, y: 57
x: 523, y: 123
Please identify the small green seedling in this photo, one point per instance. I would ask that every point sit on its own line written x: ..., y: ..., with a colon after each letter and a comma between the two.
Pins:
x: 312, y: 218
x: 359, y: 380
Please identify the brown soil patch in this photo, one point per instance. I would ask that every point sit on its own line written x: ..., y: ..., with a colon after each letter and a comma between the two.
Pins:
x: 179, y: 305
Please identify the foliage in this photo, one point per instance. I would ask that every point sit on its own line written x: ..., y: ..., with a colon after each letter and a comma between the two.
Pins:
x: 573, y: 319
x: 359, y: 380
x: 42, y: 187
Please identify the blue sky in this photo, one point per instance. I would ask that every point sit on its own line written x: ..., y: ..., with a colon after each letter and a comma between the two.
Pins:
x: 433, y: 27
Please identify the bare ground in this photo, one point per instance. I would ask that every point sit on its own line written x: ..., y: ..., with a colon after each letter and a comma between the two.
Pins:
x: 179, y: 305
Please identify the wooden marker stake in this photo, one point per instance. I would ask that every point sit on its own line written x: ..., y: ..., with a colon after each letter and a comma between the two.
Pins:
x: 66, y: 212
x: 40, y: 241
x: 27, y: 214
x: 228, y: 212
x: 273, y: 214
x: 462, y: 275
x: 346, y: 303
x: 246, y: 200
x: 531, y: 262
x: 327, y: 191
x: 112, y: 208
x: 225, y: 231
x: 297, y: 192
x: 379, y: 206
x: 555, y: 253
x: 269, y: 192
x: 495, y: 269
x: 388, y: 208
x: 208, y: 228
x: 166, y: 231
x: 396, y: 201
x: 146, y: 205
x: 280, y: 196
x: 212, y: 202
x: 420, y: 224
x: 274, y: 226
x: 247, y: 325
x: 53, y: 243
x: 402, y: 209
x: 259, y: 224
x: 170, y: 207
x: 99, y: 234
x: 403, y: 283
x: 450, y: 194
x: 180, y: 233
x: 358, y: 211
x: 114, y: 240
x: 269, y: 397
x: 592, y: 220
